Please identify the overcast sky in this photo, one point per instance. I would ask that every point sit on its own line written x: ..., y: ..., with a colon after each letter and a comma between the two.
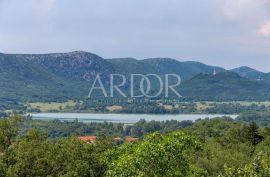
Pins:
x: 227, y: 33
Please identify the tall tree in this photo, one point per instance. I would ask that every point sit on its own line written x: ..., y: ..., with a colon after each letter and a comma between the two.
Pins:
x: 157, y: 156
x: 8, y: 131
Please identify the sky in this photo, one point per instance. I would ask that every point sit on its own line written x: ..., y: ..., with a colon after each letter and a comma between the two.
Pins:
x: 227, y: 33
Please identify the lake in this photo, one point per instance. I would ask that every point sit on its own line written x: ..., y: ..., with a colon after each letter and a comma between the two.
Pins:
x: 122, y: 118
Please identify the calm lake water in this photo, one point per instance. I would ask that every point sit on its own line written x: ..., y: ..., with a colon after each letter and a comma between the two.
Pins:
x: 122, y: 118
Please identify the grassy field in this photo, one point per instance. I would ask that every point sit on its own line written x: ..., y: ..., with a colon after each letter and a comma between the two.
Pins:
x: 114, y: 108
x: 45, y: 107
x: 202, y: 106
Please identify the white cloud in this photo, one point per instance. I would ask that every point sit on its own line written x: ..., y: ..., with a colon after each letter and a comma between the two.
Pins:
x: 246, y: 10
x: 264, y: 30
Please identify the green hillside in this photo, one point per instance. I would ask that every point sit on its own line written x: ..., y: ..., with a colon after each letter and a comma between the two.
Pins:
x: 224, y: 86
x: 64, y: 76
x: 250, y: 73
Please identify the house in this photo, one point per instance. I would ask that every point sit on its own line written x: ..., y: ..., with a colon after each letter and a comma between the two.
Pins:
x: 93, y: 139
x: 131, y: 139
x: 88, y: 139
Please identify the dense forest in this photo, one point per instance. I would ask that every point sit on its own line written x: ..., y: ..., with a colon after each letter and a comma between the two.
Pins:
x: 213, y: 147
x: 56, y: 128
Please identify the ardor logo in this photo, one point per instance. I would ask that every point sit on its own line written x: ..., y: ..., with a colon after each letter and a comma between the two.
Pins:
x: 138, y: 83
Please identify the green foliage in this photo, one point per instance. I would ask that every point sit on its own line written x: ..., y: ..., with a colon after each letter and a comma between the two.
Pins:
x: 225, y: 143
x: 216, y: 155
x: 8, y: 131
x: 226, y: 86
x: 252, y: 135
x: 7, y: 105
x: 233, y: 108
x: 33, y: 156
x: 261, y: 118
x: 142, y: 127
x: 136, y: 106
x: 157, y: 155
x: 212, y: 147
x: 259, y: 167
x: 57, y: 128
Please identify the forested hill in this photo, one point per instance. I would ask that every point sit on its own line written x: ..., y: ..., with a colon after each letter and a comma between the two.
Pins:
x: 251, y: 73
x: 62, y: 76
x: 225, y: 86
x: 162, y: 66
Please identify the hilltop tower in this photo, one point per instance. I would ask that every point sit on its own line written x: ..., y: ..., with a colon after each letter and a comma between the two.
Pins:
x: 214, y: 72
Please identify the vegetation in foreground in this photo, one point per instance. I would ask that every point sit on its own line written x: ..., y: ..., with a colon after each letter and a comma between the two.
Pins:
x: 216, y: 147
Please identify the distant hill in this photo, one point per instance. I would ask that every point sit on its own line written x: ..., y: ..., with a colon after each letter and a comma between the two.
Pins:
x: 162, y: 66
x: 248, y: 72
x: 131, y: 66
x: 185, y: 69
x: 225, y: 86
x: 49, y: 76
x: 62, y: 76
x: 251, y: 73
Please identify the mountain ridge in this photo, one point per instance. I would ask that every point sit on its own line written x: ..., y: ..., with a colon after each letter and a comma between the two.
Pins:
x: 62, y: 76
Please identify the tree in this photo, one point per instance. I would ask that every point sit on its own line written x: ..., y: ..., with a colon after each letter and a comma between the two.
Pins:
x: 158, y: 155
x: 251, y: 134
x: 34, y: 155
x: 8, y: 131
x: 259, y: 167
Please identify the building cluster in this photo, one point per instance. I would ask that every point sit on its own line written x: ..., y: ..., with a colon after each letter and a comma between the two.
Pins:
x: 93, y: 139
